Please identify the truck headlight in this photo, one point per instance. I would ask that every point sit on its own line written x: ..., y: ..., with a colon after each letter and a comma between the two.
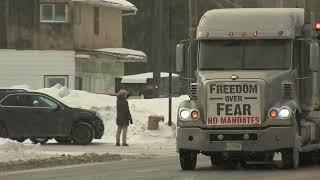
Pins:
x: 184, y: 114
x: 284, y: 113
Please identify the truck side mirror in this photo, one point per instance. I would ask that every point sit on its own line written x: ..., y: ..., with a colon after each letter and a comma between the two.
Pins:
x: 314, y: 57
x: 179, y: 57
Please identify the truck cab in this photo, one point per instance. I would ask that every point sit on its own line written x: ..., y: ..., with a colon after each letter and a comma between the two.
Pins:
x: 256, y: 91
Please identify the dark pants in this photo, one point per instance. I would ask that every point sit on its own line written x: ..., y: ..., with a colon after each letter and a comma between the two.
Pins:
x: 124, y: 130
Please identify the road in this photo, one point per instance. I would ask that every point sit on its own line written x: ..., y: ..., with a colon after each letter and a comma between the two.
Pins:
x: 163, y: 168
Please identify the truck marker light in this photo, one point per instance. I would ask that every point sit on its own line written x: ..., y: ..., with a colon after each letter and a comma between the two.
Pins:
x: 184, y: 114
x: 273, y: 113
x: 284, y: 113
x: 317, y: 26
x: 195, y: 115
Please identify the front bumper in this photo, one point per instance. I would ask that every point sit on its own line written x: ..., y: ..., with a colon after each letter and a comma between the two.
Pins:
x: 269, y: 139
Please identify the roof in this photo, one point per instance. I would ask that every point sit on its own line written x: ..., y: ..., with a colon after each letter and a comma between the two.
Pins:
x: 118, y: 4
x: 267, y: 22
x: 142, y: 78
x: 119, y: 54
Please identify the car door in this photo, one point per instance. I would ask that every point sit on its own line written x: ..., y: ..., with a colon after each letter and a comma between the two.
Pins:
x: 52, y: 113
x: 13, y: 115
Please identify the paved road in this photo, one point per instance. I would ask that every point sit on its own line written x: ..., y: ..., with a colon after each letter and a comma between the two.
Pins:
x: 164, y: 168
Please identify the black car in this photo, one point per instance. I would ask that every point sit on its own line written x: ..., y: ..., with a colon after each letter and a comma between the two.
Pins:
x: 41, y: 117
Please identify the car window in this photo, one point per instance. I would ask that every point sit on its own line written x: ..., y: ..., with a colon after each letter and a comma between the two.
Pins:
x: 11, y: 100
x: 42, y: 101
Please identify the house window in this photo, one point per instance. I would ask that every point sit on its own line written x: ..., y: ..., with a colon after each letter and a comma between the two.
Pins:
x: 50, y: 81
x: 96, y: 20
x: 54, y: 13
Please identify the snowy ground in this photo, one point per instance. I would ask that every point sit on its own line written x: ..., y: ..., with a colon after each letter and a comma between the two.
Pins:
x: 142, y: 141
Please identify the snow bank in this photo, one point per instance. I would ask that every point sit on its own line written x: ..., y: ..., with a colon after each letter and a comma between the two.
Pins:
x: 106, y: 107
x: 12, y: 150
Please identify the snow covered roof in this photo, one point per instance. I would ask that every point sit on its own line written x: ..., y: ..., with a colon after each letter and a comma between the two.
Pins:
x: 142, y: 78
x: 123, y: 54
x: 118, y: 4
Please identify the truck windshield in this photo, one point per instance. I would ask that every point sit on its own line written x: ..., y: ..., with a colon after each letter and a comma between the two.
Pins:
x: 244, y: 55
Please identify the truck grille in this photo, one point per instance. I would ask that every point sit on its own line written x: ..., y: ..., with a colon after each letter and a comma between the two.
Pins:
x: 287, y: 90
x: 234, y: 137
x: 193, y: 91
x: 234, y: 103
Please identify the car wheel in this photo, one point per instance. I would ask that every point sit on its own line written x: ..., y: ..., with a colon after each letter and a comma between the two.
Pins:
x: 3, y: 131
x: 63, y: 140
x: 82, y: 133
x: 188, y: 160
x: 39, y: 140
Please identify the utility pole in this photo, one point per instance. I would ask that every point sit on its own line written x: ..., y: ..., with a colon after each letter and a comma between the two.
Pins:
x: 157, y: 44
x: 170, y: 61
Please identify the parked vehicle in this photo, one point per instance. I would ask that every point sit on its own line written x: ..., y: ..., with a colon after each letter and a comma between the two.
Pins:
x: 41, y: 117
x: 257, y: 89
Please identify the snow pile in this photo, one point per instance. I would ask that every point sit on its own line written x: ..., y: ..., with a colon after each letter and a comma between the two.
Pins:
x: 12, y: 150
x: 6, y: 145
x: 106, y: 107
x: 26, y: 87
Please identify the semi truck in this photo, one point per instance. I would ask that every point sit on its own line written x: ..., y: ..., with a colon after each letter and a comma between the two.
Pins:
x: 256, y: 91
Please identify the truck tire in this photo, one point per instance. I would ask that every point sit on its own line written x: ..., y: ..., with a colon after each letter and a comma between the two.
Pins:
x: 63, y: 140
x: 188, y: 160
x: 39, y: 140
x: 82, y: 133
x: 217, y: 160
x: 290, y: 158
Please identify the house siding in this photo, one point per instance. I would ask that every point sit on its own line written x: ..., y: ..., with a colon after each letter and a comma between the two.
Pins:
x: 110, y: 28
x: 30, y: 66
x: 25, y: 31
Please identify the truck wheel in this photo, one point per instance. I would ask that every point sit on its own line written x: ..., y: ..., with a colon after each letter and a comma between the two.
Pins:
x: 3, y: 131
x: 39, y: 140
x: 188, y: 160
x: 82, y: 133
x: 290, y: 158
x: 217, y: 160
x: 63, y: 140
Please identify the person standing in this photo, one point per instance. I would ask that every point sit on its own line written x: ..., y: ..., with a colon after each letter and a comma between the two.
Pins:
x: 123, y: 117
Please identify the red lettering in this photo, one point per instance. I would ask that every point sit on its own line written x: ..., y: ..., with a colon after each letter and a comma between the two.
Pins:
x: 223, y: 120
x: 229, y: 121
